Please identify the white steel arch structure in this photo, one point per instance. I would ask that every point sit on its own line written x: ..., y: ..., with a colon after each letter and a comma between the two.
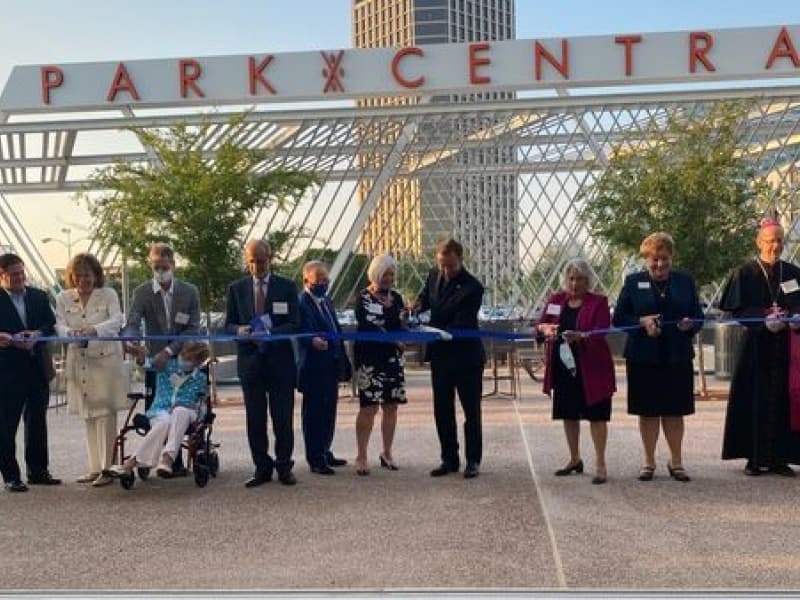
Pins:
x: 547, y: 150
x: 560, y: 147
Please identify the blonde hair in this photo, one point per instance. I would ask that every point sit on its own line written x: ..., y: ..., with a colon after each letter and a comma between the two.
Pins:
x: 378, y: 267
x: 655, y: 242
x: 81, y: 263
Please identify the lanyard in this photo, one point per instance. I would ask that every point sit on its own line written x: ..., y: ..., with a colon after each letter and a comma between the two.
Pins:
x: 774, y: 295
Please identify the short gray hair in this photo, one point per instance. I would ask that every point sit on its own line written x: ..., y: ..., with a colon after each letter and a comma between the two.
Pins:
x: 378, y: 267
x: 312, y: 265
x: 581, y: 266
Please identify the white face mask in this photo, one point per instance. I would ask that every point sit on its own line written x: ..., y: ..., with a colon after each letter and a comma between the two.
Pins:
x: 163, y: 276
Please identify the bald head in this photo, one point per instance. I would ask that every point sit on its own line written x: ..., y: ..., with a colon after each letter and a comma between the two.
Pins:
x: 257, y: 257
x: 770, y: 243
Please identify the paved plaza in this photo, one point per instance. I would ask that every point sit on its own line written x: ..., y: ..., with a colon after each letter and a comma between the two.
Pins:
x: 516, y: 526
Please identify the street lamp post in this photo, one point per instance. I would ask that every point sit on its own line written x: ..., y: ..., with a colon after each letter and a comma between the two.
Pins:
x: 68, y: 244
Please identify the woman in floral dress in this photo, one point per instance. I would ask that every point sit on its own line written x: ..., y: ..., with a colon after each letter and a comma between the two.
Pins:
x: 379, y: 365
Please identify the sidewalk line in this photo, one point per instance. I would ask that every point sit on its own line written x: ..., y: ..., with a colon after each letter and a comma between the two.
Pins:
x: 562, y: 580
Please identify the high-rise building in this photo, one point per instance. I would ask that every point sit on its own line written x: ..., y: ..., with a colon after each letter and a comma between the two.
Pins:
x: 467, y: 199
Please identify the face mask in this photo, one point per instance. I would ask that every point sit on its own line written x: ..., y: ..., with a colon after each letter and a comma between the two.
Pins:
x: 318, y: 289
x: 163, y: 276
x: 567, y: 358
x: 184, y: 365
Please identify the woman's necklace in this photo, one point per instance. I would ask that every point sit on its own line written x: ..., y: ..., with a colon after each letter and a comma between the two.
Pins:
x: 661, y: 290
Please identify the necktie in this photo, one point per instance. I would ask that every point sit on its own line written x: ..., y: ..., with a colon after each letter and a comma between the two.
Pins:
x: 261, y: 299
x: 327, y: 315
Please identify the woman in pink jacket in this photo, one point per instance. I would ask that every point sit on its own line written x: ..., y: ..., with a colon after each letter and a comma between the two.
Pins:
x: 580, y: 371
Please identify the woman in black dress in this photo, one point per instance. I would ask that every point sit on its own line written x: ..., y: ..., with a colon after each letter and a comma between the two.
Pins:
x: 379, y: 365
x: 664, y: 307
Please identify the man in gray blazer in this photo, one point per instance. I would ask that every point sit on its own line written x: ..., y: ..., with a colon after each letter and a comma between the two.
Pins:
x: 167, y: 306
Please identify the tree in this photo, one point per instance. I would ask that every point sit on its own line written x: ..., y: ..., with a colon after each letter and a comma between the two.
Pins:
x: 198, y: 204
x: 687, y: 178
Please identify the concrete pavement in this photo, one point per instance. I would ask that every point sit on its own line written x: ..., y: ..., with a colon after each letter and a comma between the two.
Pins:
x: 516, y: 526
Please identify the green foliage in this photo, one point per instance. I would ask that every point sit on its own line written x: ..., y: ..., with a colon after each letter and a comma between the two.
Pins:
x: 687, y: 178
x: 198, y: 204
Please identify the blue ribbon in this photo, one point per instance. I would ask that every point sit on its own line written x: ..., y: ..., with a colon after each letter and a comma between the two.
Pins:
x: 409, y: 335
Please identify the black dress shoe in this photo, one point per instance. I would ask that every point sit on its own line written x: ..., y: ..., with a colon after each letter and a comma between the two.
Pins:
x: 337, y: 462
x: 16, y: 486
x: 752, y: 469
x: 569, y: 469
x: 443, y: 469
x: 45, y: 479
x: 260, y: 478
x: 783, y: 470
x: 471, y: 471
x: 287, y: 478
x: 323, y: 470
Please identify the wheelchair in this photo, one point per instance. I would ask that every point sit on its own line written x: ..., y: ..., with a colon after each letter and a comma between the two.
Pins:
x: 202, y: 458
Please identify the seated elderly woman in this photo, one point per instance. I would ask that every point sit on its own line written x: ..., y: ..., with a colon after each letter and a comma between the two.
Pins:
x: 180, y: 391
x: 580, y: 371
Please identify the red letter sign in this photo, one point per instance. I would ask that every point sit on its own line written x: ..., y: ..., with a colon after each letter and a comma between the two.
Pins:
x: 699, y: 54
x: 257, y: 74
x: 475, y: 61
x: 121, y: 82
x: 401, y: 54
x: 783, y: 48
x: 628, y: 41
x: 52, y: 77
x: 540, y: 52
x: 190, y: 71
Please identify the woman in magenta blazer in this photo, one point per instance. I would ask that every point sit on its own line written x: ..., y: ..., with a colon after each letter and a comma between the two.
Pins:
x: 580, y: 371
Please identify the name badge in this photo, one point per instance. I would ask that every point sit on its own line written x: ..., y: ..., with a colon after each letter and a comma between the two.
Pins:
x: 280, y: 308
x: 375, y: 308
x: 553, y: 309
x: 181, y: 318
x: 644, y: 285
x: 790, y: 286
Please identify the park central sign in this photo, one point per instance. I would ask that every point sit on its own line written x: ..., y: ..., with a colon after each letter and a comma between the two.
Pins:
x: 596, y: 61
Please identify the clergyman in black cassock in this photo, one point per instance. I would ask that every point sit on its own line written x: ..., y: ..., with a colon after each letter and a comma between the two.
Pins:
x: 758, y: 422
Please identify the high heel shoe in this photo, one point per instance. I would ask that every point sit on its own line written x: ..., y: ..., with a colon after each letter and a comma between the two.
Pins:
x: 361, y: 469
x: 678, y: 473
x: 600, y: 477
x: 387, y: 464
x: 577, y: 468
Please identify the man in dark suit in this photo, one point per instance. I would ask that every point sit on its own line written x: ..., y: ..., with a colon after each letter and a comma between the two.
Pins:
x: 167, y: 306
x: 266, y: 303
x: 25, y: 370
x: 321, y: 363
x: 454, y: 298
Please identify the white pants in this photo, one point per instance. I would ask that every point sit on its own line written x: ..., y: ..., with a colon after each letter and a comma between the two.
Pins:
x: 101, y: 433
x: 164, y: 427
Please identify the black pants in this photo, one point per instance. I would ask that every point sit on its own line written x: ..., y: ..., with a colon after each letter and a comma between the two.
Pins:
x: 276, y: 391
x: 468, y: 382
x: 319, y: 423
x: 24, y: 395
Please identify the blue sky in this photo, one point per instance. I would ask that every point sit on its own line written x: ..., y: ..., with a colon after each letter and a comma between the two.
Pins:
x: 35, y: 31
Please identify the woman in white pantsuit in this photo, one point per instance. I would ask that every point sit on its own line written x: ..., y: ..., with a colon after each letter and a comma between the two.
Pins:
x: 97, y: 383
